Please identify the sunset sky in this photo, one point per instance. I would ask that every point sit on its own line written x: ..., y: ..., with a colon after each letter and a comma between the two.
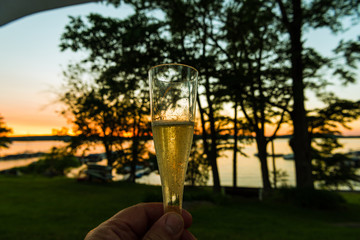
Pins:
x: 31, y: 66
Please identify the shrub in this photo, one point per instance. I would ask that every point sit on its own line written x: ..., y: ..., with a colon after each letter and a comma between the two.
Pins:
x: 54, y: 163
x: 191, y: 194
x: 314, y: 199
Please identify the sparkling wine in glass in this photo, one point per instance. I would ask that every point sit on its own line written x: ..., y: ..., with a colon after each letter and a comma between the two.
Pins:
x: 173, y: 89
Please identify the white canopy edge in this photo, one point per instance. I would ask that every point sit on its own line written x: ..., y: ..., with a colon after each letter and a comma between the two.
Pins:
x: 11, y: 10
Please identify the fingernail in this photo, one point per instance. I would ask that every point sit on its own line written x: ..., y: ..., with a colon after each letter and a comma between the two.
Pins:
x: 174, y: 223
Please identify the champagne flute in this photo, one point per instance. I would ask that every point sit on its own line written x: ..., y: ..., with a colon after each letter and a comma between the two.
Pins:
x: 173, y: 89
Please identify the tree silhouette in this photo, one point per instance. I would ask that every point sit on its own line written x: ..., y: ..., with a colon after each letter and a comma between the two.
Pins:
x: 4, y: 131
x: 96, y: 113
x: 255, y: 71
x: 297, y: 15
x: 115, y: 102
x: 185, y: 28
x: 332, y: 169
x: 249, y: 53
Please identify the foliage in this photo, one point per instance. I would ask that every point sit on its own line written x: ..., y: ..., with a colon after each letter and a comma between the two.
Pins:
x: 96, y: 113
x: 4, y: 131
x: 334, y: 171
x: 314, y: 199
x: 198, y: 168
x: 350, y: 51
x: 55, y: 163
x: 282, y: 178
x: 256, y: 74
x: 152, y: 161
x: 111, y: 98
x: 231, y: 43
x: 330, y: 169
x: 132, y: 45
x: 296, y: 17
x: 246, y: 57
x: 249, y: 53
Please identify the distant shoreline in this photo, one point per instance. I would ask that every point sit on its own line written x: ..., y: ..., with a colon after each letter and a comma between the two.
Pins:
x: 68, y: 138
x: 41, y: 138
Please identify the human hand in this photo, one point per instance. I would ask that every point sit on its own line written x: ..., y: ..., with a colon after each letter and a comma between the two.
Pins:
x: 145, y: 221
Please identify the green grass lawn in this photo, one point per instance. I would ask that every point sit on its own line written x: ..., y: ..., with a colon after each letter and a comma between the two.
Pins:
x: 60, y: 208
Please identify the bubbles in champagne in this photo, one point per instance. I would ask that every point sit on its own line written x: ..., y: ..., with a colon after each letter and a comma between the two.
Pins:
x: 173, y: 141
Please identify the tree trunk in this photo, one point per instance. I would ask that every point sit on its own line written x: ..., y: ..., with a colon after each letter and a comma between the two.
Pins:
x: 235, y: 146
x: 261, y: 145
x: 203, y: 128
x: 273, y: 163
x: 301, y: 147
x: 134, y: 153
x: 133, y: 162
x: 214, y: 167
x: 213, y: 136
x: 108, y: 153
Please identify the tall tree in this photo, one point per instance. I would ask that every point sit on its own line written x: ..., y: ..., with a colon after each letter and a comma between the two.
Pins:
x: 96, y: 114
x: 235, y: 148
x: 115, y: 103
x: 297, y: 15
x: 230, y: 42
x: 186, y: 29
x: 300, y: 136
x: 332, y: 169
x: 253, y: 71
x: 4, y: 131
x: 239, y: 48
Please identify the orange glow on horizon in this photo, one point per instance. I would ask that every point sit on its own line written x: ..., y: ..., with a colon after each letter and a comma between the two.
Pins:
x: 28, y: 130
x: 20, y: 130
x: 354, y: 131
x: 32, y: 118
x: 40, y: 125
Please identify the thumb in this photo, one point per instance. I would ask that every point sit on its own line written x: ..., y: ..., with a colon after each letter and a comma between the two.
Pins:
x: 169, y: 227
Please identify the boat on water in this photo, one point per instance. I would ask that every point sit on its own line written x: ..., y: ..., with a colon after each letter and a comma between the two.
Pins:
x: 289, y: 156
x: 277, y: 155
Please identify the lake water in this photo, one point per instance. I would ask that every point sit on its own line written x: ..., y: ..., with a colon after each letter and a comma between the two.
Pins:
x: 248, y: 168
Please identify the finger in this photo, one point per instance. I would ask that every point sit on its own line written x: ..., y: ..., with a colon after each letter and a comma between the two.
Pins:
x: 130, y: 223
x: 142, y: 216
x: 187, y: 218
x: 138, y: 218
x: 169, y: 227
x: 133, y: 222
x: 187, y: 235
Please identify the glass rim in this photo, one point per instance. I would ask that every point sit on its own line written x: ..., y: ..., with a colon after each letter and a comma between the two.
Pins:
x: 174, y: 64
